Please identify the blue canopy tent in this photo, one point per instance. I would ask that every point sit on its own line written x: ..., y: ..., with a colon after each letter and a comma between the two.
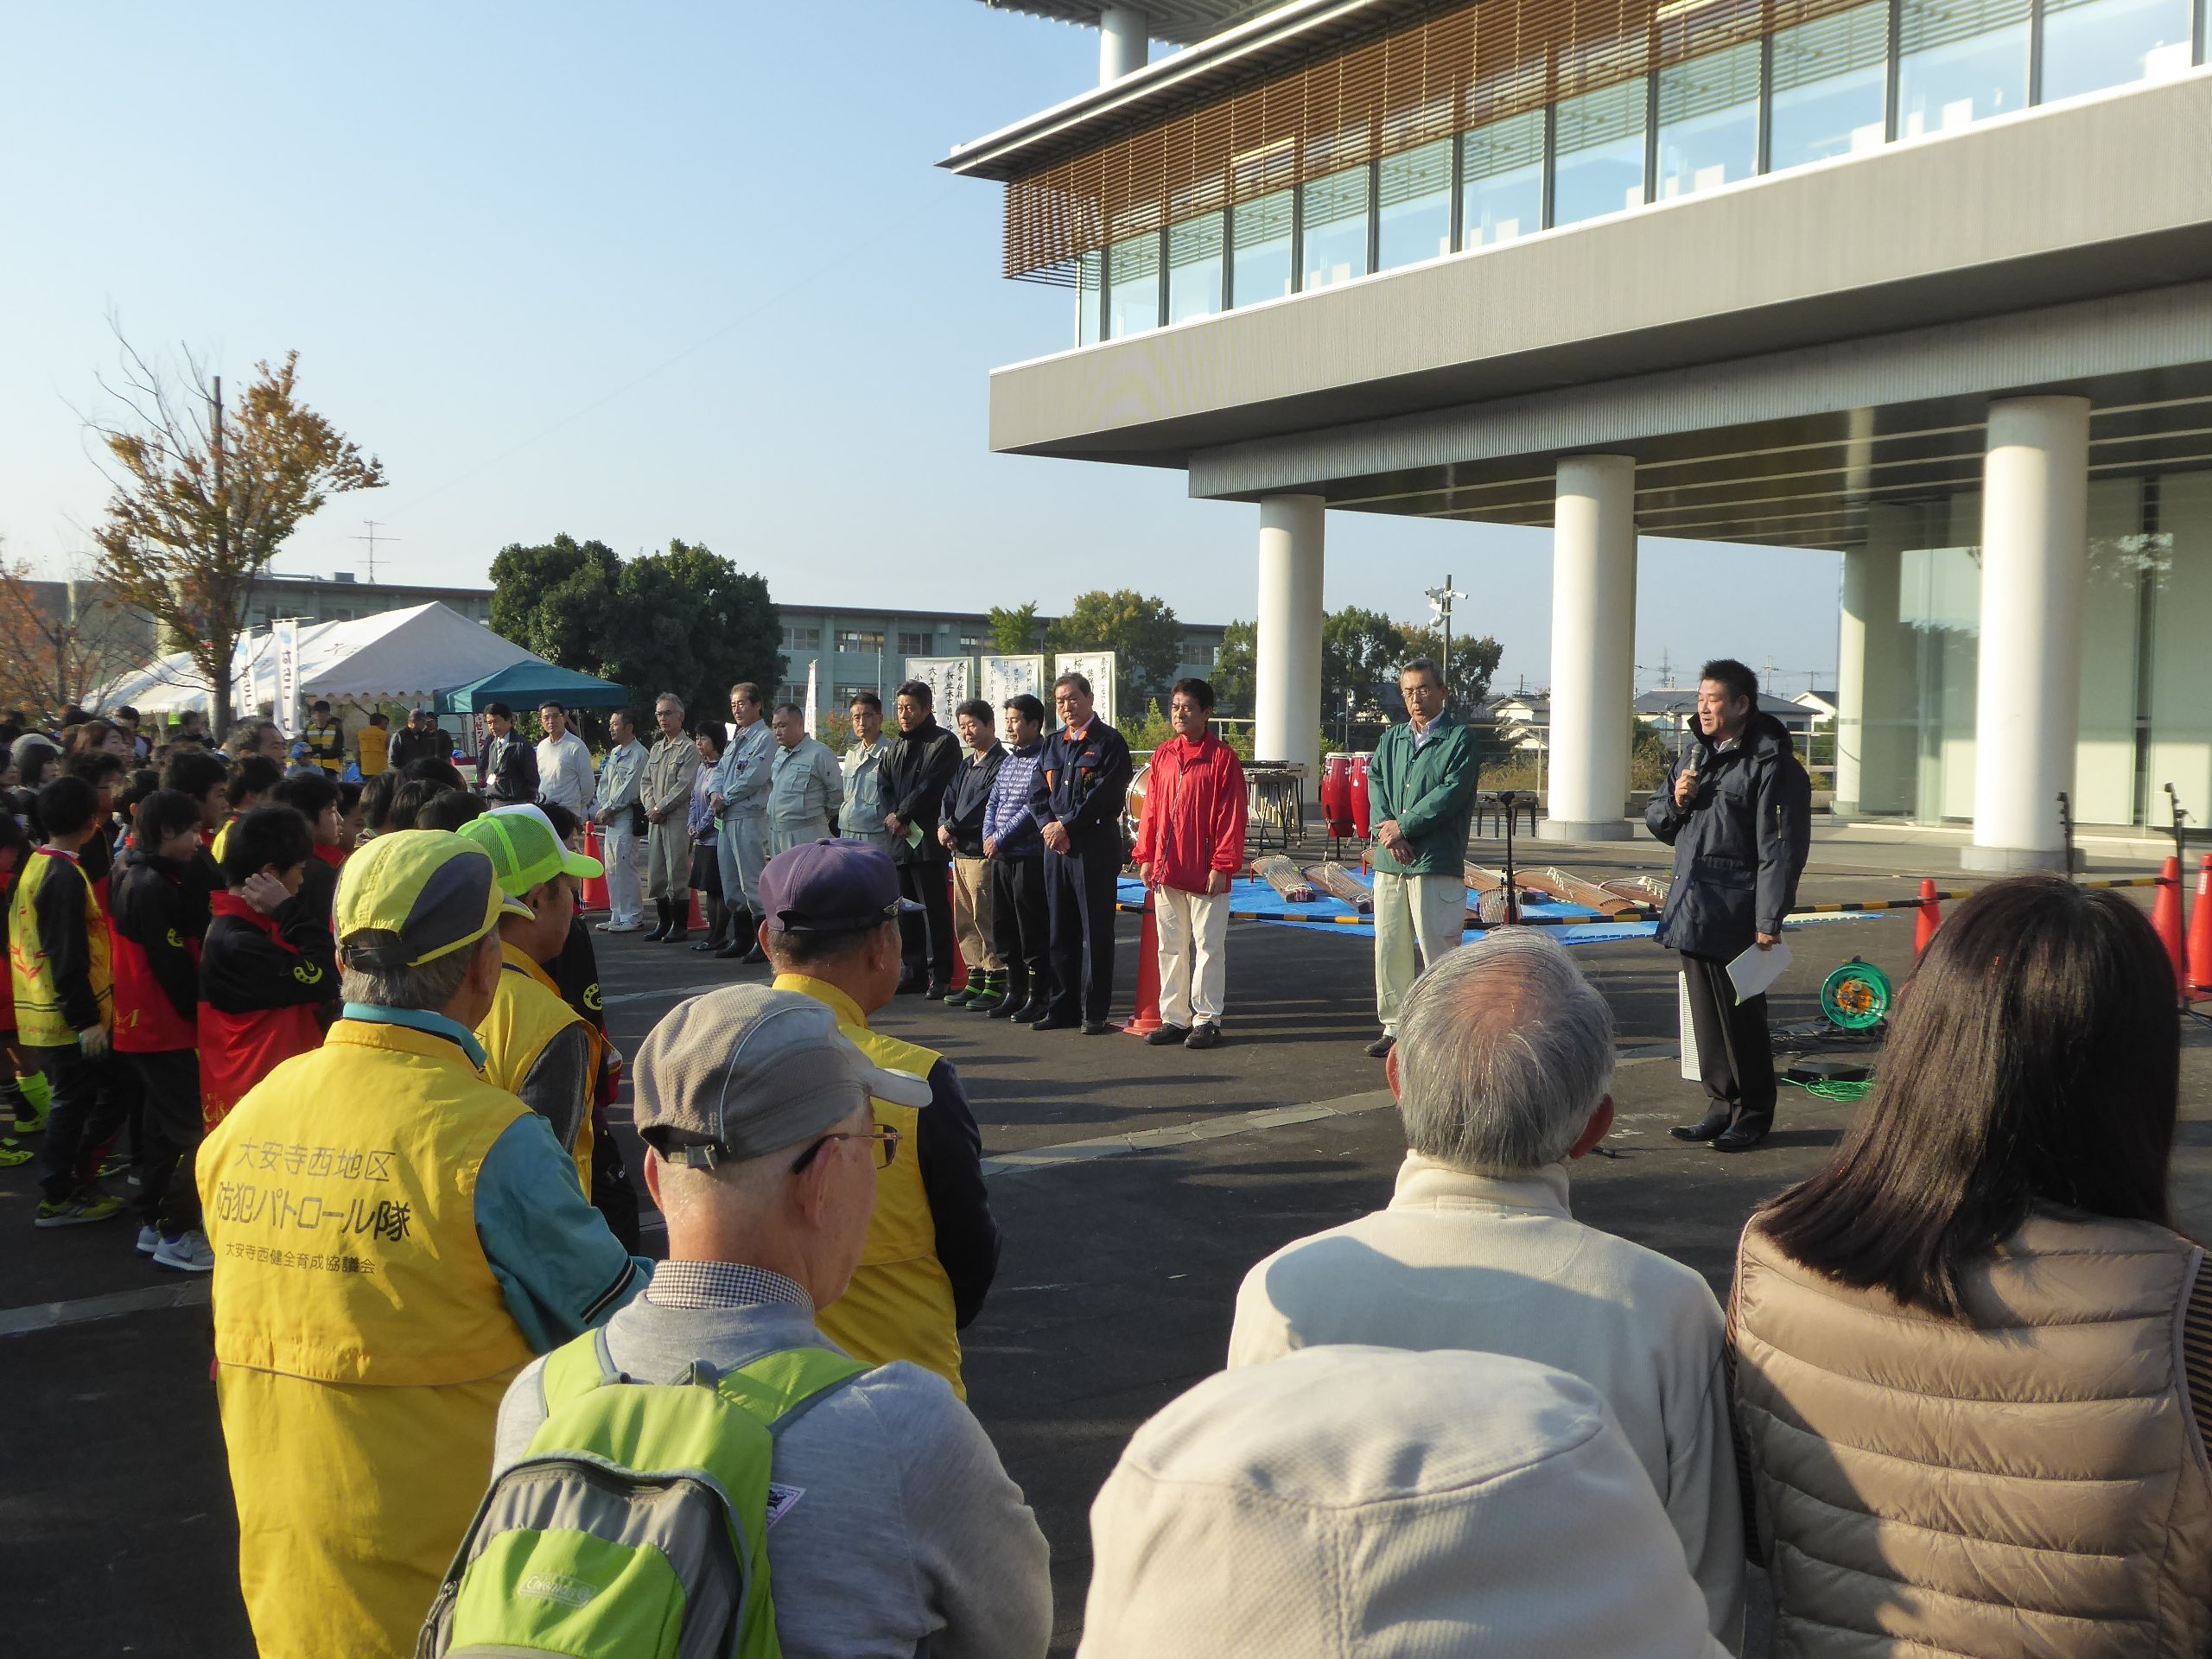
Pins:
x: 528, y: 685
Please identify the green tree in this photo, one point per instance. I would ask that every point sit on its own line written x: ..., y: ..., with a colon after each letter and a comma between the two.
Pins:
x: 1233, y: 673
x: 689, y: 621
x: 1360, y: 654
x: 1141, y: 632
x: 1014, y: 632
x: 1473, y: 663
x: 556, y: 599
x: 205, y: 495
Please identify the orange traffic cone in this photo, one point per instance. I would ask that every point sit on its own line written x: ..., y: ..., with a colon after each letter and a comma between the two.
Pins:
x: 1929, y: 919
x: 698, y: 913
x: 1146, y: 1021
x: 2200, y: 934
x: 2165, y: 918
x: 595, y: 885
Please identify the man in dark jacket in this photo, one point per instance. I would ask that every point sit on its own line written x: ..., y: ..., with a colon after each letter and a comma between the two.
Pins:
x: 920, y: 763
x: 506, y: 767
x: 960, y: 831
x: 421, y: 738
x: 1082, y: 783
x: 1737, y: 813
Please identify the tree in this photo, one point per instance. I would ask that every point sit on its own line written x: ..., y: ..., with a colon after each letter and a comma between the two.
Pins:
x: 205, y: 497
x: 60, y: 640
x: 1141, y: 632
x: 690, y: 622
x: 1473, y: 662
x: 1015, y: 632
x: 1360, y: 654
x: 556, y: 599
x: 1234, y: 680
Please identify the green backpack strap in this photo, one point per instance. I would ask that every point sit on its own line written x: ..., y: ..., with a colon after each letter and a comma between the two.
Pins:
x: 779, y: 1388
x: 574, y: 1369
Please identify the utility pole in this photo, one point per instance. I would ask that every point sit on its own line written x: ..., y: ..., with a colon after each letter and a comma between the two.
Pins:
x: 1440, y: 601
x: 372, y: 538
x: 219, y: 696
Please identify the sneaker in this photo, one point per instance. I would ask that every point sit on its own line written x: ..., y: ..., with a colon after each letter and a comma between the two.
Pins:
x: 621, y: 927
x: 1206, y: 1035
x: 88, y: 1204
x: 116, y: 1163
x: 13, y: 1155
x: 1167, y: 1034
x: 186, y: 1253
x: 149, y: 1239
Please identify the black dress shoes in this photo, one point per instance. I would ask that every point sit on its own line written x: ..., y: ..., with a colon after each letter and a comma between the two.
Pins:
x: 1708, y: 1128
x: 1746, y: 1133
x: 1054, y: 1022
x: 1167, y: 1034
x: 1098, y: 1027
x: 1381, y: 1047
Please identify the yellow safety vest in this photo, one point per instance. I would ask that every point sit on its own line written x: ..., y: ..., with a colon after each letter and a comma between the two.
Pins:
x: 527, y: 1014
x: 899, y: 1303
x: 39, y: 1021
x: 362, y: 1340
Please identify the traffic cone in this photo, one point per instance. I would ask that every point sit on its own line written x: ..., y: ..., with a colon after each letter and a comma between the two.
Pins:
x: 2200, y: 935
x: 698, y: 914
x: 595, y: 885
x: 2165, y: 918
x: 1930, y: 918
x: 1146, y: 1021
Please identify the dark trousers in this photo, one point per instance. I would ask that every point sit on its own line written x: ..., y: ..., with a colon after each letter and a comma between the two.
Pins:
x: 1735, y: 1057
x: 92, y: 1101
x: 925, y: 941
x: 1020, y: 928
x: 1079, y: 900
x: 611, y: 1195
x: 169, y: 1194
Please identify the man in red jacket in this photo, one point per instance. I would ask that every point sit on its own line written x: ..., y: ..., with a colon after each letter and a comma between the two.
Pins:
x: 1190, y: 844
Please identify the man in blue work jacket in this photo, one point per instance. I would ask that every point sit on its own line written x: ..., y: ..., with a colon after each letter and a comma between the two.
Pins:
x: 1082, y: 782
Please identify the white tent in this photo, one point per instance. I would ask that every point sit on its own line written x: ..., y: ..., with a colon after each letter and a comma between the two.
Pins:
x: 394, y: 656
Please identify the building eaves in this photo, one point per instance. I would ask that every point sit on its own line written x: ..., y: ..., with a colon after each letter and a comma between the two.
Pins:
x: 1179, y: 23
x: 1202, y: 73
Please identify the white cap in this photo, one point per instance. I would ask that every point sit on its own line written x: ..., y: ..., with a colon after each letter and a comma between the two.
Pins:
x: 1376, y: 1502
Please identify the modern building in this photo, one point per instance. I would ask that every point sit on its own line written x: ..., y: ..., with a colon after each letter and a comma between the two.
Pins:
x: 867, y: 650
x: 1925, y: 283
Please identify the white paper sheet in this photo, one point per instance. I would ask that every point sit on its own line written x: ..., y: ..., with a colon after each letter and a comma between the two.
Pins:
x: 1755, y: 969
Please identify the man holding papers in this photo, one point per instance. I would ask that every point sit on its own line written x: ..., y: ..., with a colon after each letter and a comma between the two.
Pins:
x: 1737, y: 813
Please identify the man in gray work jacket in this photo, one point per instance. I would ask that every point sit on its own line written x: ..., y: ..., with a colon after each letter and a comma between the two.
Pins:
x: 1737, y: 813
x: 1420, y: 790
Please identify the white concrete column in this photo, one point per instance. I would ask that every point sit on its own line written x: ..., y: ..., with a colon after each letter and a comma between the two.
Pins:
x: 1287, y: 636
x: 2035, y: 529
x: 1593, y: 649
x: 1123, y: 46
x: 1868, y: 729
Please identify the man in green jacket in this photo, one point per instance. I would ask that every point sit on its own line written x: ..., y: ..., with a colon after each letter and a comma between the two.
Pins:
x: 1420, y: 789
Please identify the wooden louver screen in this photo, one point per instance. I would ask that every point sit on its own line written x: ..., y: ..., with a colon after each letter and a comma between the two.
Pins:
x: 1461, y: 68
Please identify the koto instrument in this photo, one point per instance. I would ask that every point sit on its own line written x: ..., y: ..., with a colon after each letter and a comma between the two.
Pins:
x: 1338, y: 882
x: 1278, y: 873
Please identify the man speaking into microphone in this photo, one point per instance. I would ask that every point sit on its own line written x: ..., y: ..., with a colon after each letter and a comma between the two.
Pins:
x: 1737, y: 813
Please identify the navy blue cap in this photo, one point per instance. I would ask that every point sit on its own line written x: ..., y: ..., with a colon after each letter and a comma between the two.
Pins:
x: 831, y: 886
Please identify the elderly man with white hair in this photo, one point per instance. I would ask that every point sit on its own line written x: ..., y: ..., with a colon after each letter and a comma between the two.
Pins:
x: 1502, y: 1070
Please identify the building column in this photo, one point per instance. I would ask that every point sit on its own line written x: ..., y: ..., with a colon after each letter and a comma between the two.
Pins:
x: 1869, y: 727
x: 1593, y: 649
x: 1123, y: 47
x: 1286, y: 636
x: 2035, y: 530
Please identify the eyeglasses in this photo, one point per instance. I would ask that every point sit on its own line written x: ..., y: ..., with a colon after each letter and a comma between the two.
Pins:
x: 887, y: 1141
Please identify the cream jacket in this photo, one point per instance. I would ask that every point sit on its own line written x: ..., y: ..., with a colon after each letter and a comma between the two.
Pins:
x: 1499, y: 1265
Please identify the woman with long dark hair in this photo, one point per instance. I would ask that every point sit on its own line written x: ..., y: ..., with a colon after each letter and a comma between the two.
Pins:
x: 1971, y: 1352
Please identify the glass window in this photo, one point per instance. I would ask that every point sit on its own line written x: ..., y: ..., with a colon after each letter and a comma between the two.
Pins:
x: 1959, y: 61
x: 1334, y: 225
x: 1194, y: 268
x: 1197, y: 654
x: 861, y: 642
x: 799, y: 639
x: 2091, y: 44
x: 1089, y: 274
x: 1133, y: 286
x: 1599, y: 166
x: 1501, y: 181
x: 1416, y: 207
x: 1830, y: 78
x: 915, y: 645
x: 1709, y: 121
x: 1260, y: 245
x: 845, y: 694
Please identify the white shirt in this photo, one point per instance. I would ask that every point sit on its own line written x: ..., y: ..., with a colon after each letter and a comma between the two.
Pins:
x: 564, y: 774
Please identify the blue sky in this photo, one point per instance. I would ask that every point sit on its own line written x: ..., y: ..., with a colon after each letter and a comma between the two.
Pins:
x: 652, y: 270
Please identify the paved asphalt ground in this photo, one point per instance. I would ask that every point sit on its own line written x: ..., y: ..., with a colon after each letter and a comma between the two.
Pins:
x: 1135, y: 1186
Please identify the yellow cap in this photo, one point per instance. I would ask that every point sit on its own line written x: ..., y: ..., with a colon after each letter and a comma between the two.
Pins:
x: 434, y: 890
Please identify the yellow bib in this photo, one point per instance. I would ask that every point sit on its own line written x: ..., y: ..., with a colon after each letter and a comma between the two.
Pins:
x: 39, y: 1021
x: 527, y: 1014
x: 899, y: 1303
x: 363, y: 1341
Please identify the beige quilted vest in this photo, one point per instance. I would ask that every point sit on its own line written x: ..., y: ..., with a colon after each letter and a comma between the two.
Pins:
x: 2033, y: 1485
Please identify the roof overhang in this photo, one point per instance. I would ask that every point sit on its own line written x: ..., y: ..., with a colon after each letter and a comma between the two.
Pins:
x: 1180, y: 23
x: 1201, y: 73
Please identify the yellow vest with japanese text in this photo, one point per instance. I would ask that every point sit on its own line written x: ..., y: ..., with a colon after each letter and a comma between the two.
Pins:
x: 39, y: 1021
x: 362, y: 1341
x: 527, y: 1014
x: 899, y: 1303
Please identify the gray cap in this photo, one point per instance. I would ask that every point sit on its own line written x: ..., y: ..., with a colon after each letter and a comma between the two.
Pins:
x: 747, y: 1071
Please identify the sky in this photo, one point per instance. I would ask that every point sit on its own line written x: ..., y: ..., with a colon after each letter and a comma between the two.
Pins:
x: 656, y: 271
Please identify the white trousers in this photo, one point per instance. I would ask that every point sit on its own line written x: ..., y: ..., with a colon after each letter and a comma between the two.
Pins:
x: 626, y: 894
x: 1430, y: 910
x: 742, y: 853
x: 1193, y: 931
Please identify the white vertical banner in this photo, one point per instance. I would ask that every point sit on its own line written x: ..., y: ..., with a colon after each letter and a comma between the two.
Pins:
x: 948, y: 679
x: 1009, y: 676
x: 244, y: 677
x: 811, y: 695
x: 1097, y: 667
x: 288, y: 678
